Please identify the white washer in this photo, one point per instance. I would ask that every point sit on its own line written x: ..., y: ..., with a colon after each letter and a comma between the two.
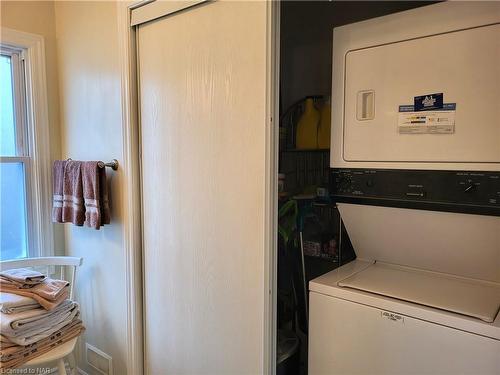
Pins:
x: 357, y: 332
x: 400, y: 307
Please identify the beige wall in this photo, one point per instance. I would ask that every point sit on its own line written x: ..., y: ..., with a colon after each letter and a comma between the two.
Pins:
x: 90, y: 90
x: 84, y: 96
x: 38, y: 17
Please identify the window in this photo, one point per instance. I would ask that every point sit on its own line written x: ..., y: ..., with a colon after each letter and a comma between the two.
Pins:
x: 15, y: 156
x: 25, y: 229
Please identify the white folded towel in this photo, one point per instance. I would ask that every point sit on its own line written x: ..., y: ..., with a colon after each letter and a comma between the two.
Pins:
x: 27, y: 327
x: 11, y: 303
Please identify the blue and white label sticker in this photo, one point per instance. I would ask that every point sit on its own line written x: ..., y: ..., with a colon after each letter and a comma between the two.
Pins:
x: 440, y: 121
x: 411, y: 108
x: 429, y: 102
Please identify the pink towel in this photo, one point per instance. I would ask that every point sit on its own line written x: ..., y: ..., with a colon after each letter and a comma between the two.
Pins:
x: 95, y: 193
x: 58, y: 186
x: 73, y: 210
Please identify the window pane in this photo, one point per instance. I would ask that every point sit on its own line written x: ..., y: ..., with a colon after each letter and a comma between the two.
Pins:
x: 13, y: 243
x: 7, y: 126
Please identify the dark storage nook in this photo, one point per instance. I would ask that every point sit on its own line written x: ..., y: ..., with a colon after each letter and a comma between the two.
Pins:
x: 312, y: 239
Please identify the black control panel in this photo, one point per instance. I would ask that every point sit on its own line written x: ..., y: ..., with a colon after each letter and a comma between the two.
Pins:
x: 453, y: 191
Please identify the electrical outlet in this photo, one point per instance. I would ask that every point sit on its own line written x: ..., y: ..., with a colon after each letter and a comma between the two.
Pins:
x: 98, y: 360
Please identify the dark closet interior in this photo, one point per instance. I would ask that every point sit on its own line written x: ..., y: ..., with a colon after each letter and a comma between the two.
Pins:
x: 312, y: 239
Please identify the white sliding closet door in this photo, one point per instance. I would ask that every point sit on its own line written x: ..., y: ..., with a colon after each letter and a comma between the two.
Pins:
x: 202, y: 78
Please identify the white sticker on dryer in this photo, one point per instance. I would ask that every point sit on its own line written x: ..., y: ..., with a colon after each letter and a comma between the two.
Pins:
x: 441, y: 121
x: 392, y: 317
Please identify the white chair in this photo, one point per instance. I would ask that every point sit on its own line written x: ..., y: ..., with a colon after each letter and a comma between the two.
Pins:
x: 55, y: 267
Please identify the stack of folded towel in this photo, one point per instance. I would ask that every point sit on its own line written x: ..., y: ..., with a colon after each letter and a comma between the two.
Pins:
x: 36, y: 316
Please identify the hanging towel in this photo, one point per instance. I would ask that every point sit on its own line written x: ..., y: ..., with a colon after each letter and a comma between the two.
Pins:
x: 24, y: 277
x: 95, y: 193
x: 58, y: 186
x: 73, y: 210
x: 105, y: 211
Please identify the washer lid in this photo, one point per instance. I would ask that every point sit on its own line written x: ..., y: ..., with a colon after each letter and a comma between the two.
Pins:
x: 470, y: 297
x: 459, y: 244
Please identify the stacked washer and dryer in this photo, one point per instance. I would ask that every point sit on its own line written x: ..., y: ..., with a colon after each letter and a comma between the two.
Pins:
x: 416, y: 175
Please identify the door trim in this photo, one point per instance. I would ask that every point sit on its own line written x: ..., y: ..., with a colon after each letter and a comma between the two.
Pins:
x: 132, y: 233
x: 151, y: 10
x: 271, y: 183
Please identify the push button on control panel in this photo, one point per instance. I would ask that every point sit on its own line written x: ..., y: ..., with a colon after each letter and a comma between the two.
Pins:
x: 415, y: 194
x: 415, y: 191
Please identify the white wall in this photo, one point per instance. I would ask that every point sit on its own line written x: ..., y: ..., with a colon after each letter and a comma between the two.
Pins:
x: 91, y: 129
x: 38, y: 17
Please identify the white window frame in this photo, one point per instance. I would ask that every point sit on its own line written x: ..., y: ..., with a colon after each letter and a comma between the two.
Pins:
x: 32, y: 129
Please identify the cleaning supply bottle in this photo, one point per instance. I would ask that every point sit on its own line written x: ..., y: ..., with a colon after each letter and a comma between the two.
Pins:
x: 325, y: 125
x: 307, y: 127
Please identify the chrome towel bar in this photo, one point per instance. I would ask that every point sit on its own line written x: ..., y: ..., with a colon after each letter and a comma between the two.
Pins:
x: 113, y: 164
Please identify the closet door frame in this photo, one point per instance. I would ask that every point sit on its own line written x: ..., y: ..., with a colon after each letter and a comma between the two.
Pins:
x: 132, y: 188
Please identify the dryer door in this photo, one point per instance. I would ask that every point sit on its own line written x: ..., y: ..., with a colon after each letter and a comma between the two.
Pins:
x: 463, y: 65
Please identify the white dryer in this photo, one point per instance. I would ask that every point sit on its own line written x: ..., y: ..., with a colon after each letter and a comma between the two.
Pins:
x: 416, y: 176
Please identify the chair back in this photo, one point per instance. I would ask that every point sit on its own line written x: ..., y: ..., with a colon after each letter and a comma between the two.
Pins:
x: 55, y: 267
